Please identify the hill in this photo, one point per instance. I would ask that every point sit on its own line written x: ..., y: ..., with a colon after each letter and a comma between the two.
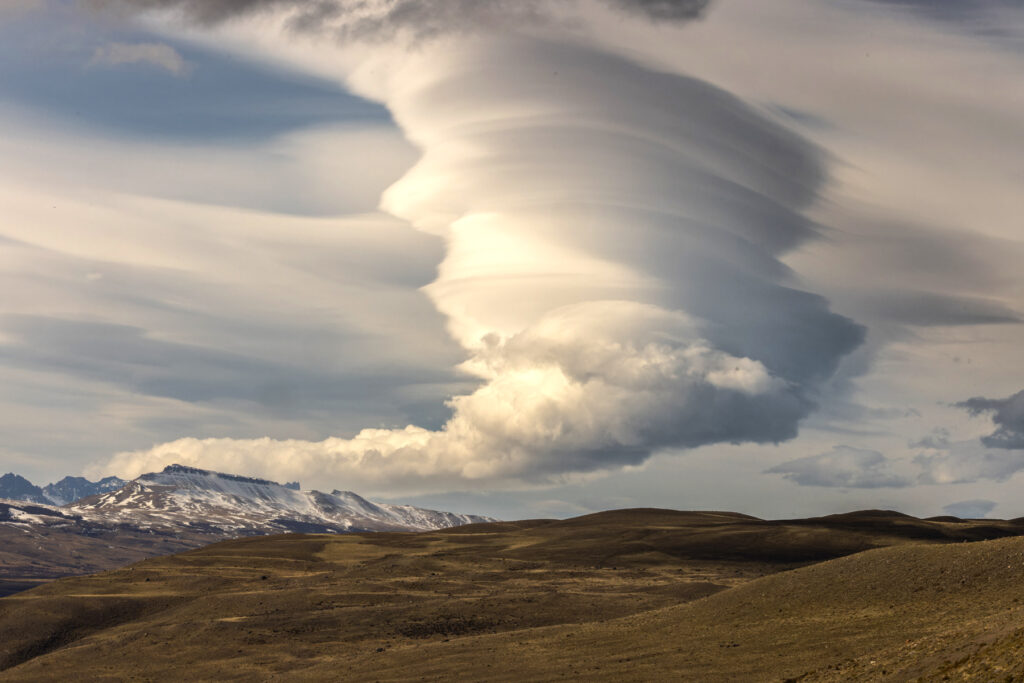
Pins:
x: 626, y: 595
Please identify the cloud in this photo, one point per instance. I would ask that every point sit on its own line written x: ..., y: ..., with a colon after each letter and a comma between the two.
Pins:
x: 589, y: 387
x: 167, y: 333
x: 970, y: 509
x: 384, y: 19
x: 998, y: 457
x: 664, y: 9
x: 307, y: 172
x: 128, y: 357
x: 926, y: 309
x: 613, y: 270
x: 937, y: 440
x: 13, y: 8
x: 843, y: 466
x: 1008, y: 416
x: 155, y: 54
x: 968, y: 463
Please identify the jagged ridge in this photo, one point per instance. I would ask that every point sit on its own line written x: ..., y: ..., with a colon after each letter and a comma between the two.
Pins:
x: 67, y: 490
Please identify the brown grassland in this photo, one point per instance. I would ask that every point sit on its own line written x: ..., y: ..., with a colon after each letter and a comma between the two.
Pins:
x: 625, y: 595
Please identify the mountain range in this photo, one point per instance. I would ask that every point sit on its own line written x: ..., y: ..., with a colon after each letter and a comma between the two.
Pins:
x: 67, y: 490
x: 179, y: 508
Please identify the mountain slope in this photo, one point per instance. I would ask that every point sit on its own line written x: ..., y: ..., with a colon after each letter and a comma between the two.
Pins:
x: 40, y: 543
x: 625, y: 595
x: 16, y: 487
x: 70, y: 489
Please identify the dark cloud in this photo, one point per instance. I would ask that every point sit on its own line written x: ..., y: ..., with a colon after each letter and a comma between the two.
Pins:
x: 928, y: 309
x: 969, y: 15
x: 986, y: 19
x: 1008, y: 416
x: 672, y: 10
x: 842, y: 467
x: 423, y: 18
x: 216, y: 11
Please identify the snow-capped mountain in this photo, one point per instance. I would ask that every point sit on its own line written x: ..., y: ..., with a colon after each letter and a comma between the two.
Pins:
x: 199, y: 500
x: 67, y: 490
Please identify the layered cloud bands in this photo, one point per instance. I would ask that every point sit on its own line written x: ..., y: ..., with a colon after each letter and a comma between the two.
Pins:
x: 612, y: 269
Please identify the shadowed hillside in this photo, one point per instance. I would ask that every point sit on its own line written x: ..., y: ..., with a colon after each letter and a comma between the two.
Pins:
x: 632, y: 594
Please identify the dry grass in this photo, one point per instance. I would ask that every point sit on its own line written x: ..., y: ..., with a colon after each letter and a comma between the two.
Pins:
x: 630, y: 595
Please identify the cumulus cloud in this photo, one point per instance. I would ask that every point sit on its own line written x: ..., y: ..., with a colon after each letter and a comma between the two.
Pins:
x: 1008, y: 416
x: 613, y: 270
x: 970, y: 509
x: 155, y: 54
x: 589, y: 386
x: 843, y: 466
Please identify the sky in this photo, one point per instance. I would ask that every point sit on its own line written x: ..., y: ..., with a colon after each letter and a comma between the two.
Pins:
x: 525, y: 259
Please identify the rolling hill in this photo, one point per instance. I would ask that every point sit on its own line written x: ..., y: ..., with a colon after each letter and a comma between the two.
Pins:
x: 625, y: 595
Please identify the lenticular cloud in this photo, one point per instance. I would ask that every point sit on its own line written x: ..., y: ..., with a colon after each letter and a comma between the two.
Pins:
x: 612, y: 268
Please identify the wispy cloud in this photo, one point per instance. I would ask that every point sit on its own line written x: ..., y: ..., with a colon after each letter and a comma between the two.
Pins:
x: 158, y: 55
x: 412, y: 17
x: 843, y: 467
x: 966, y: 463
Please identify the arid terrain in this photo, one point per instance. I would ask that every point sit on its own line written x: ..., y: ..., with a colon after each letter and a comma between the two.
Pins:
x: 625, y: 595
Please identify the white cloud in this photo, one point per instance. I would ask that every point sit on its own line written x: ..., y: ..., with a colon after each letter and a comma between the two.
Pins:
x: 968, y: 462
x: 611, y: 309
x: 154, y: 54
x: 590, y: 386
x: 326, y: 170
